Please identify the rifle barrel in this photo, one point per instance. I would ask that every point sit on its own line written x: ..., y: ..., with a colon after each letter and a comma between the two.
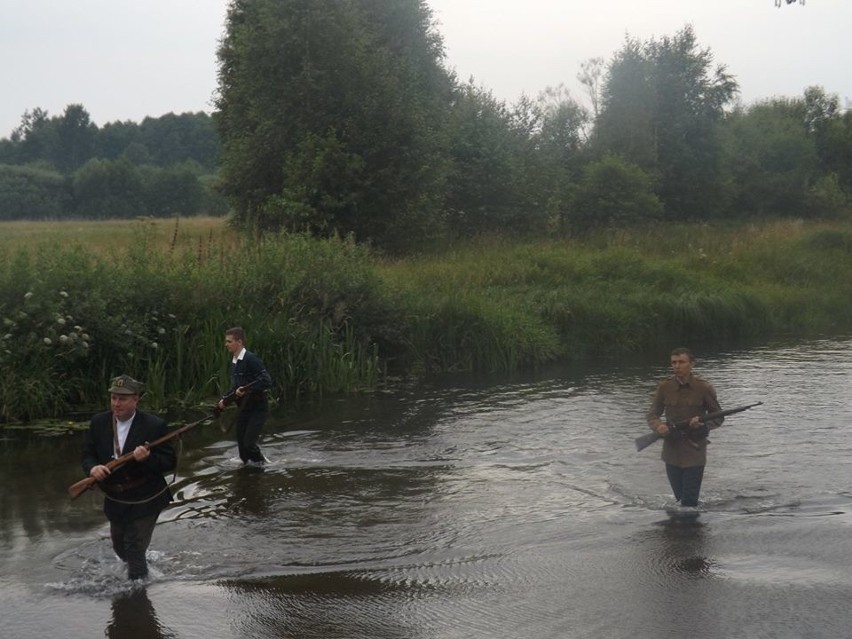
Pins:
x: 644, y: 441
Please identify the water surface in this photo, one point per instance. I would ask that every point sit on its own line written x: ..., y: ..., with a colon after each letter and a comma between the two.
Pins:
x: 467, y: 509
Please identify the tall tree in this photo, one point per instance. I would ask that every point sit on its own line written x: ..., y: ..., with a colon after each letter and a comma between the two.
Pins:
x: 488, y: 190
x: 591, y: 72
x: 559, y: 143
x: 175, y: 138
x: 663, y: 102
x: 332, y: 116
x: 33, y: 137
x: 74, y: 140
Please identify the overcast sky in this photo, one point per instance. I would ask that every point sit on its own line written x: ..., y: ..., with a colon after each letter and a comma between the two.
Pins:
x: 126, y: 59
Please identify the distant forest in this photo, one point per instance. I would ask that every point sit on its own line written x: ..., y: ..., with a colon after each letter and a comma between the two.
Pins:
x: 343, y: 118
x: 65, y: 166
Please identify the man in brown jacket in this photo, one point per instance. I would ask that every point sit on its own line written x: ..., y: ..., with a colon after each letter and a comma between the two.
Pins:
x: 684, y: 397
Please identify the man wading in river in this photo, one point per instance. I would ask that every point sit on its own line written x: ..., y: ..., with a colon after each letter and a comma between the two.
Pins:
x: 137, y: 491
x: 250, y: 382
x: 684, y: 397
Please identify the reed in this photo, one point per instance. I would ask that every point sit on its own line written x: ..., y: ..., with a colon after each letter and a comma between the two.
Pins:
x: 73, y: 318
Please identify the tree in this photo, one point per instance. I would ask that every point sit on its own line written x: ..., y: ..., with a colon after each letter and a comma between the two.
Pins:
x: 559, y: 142
x: 108, y: 189
x: 332, y: 116
x: 172, y: 139
x: 171, y: 191
x: 33, y: 137
x: 613, y: 193
x: 591, y: 72
x: 662, y: 106
x: 75, y: 139
x: 485, y: 187
x: 114, y: 138
x: 774, y: 158
x: 28, y: 192
x: 831, y: 130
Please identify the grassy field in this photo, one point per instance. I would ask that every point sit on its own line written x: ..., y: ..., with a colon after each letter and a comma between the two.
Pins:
x: 110, y: 236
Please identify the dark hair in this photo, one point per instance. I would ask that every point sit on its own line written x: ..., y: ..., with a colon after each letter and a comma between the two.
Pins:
x: 237, y: 333
x: 682, y: 350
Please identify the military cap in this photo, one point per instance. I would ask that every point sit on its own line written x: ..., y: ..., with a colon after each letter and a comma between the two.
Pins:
x: 126, y: 385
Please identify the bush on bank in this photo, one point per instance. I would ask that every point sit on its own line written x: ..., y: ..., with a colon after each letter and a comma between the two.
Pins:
x: 327, y: 315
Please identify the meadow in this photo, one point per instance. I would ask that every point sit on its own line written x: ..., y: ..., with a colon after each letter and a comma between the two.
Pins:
x: 83, y: 301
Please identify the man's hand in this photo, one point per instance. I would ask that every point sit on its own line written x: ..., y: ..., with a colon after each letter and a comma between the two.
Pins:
x: 661, y: 427
x: 141, y: 453
x: 99, y: 472
x: 240, y: 391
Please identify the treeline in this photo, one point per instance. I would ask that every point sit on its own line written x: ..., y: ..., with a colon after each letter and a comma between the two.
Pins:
x: 342, y: 117
x: 66, y: 166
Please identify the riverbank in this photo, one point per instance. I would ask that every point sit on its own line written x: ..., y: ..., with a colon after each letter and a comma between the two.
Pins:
x: 331, y: 316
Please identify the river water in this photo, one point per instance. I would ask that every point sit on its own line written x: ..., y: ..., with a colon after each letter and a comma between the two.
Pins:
x: 499, y: 508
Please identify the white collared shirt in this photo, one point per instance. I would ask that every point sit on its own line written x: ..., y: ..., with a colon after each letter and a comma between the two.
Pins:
x: 122, y: 428
x: 239, y: 356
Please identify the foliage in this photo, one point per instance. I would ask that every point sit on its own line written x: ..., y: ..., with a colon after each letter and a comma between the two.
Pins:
x: 68, y: 141
x: 485, y: 187
x: 774, y: 158
x: 160, y: 316
x: 32, y: 192
x: 327, y: 316
x: 662, y: 104
x: 339, y: 118
x: 331, y: 117
x: 614, y: 194
x: 108, y: 188
x: 61, y: 167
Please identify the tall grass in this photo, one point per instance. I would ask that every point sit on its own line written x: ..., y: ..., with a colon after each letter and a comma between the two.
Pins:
x: 329, y: 316
x: 160, y: 315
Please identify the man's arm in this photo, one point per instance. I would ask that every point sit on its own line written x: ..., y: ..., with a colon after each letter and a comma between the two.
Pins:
x: 257, y: 373
x: 655, y: 412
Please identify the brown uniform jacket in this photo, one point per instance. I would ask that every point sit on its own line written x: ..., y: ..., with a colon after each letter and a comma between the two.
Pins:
x: 682, y: 402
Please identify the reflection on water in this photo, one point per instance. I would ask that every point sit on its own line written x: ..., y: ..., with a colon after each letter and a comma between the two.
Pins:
x: 133, y: 617
x: 495, y: 508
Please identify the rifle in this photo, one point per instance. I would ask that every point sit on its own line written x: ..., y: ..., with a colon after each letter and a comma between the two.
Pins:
x: 231, y: 397
x: 75, y: 490
x: 680, y: 427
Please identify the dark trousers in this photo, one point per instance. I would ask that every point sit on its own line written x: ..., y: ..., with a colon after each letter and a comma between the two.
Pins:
x: 130, y: 540
x: 686, y: 483
x: 249, y: 425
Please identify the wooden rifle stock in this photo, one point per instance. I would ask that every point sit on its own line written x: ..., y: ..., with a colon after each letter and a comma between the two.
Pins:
x: 77, y: 489
x: 644, y: 441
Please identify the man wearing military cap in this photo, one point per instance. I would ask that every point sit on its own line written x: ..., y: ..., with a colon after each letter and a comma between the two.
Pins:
x: 136, y: 492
